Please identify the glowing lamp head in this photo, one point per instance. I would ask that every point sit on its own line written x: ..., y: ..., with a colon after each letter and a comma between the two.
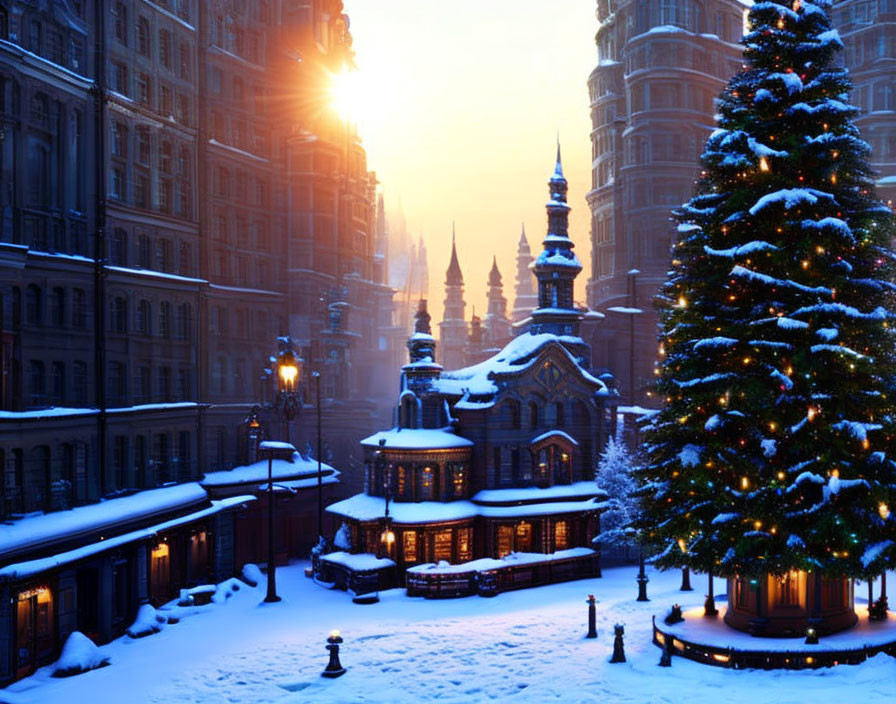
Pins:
x: 388, y: 537
x: 288, y: 369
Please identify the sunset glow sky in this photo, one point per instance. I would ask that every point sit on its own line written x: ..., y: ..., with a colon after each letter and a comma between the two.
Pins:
x: 459, y: 105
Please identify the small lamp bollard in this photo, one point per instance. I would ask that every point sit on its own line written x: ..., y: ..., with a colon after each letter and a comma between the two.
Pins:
x: 334, y: 668
x: 811, y: 636
x: 618, y: 648
x: 686, y: 580
x: 592, y: 616
x: 674, y: 615
x: 642, y: 577
x: 666, y: 657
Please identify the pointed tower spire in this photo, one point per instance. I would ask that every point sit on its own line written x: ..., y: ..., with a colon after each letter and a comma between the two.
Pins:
x: 558, y: 167
x: 557, y: 266
x: 494, y: 276
x: 454, y: 277
x: 453, y: 328
x: 524, y: 292
x: 497, y: 324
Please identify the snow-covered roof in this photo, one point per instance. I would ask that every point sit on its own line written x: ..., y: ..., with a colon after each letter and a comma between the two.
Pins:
x: 489, y: 563
x: 363, y: 507
x: 257, y: 472
x: 91, y: 521
x: 532, y: 494
x: 554, y: 433
x: 518, y: 355
x: 275, y: 445
x: 417, y: 439
x: 29, y: 568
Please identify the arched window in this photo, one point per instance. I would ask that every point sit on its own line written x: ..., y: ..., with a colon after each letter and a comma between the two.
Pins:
x: 39, y: 472
x: 143, y: 36
x: 143, y: 251
x: 34, y: 312
x: 120, y: 22
x: 118, y: 247
x: 408, y: 411
x: 559, y: 414
x: 58, y: 306
x: 165, y: 319
x: 118, y: 320
x: 533, y: 414
x: 513, y: 410
x: 144, y: 318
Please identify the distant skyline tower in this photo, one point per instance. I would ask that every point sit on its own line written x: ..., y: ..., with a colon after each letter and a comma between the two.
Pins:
x: 453, y: 328
x: 525, y: 298
x: 660, y: 66
x: 557, y: 266
x: 497, y: 325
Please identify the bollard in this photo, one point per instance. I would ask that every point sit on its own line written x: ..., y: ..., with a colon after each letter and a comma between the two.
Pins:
x: 592, y: 616
x: 666, y: 657
x: 618, y: 648
x: 334, y: 668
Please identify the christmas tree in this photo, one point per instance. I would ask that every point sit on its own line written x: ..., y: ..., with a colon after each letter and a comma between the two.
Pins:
x: 614, y: 475
x: 774, y: 451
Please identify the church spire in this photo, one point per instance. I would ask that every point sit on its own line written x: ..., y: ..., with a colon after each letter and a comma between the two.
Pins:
x: 557, y: 266
x: 453, y: 328
x: 454, y: 277
x: 494, y: 276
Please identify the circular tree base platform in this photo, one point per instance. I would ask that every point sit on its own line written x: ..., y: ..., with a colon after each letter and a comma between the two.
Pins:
x: 706, y: 639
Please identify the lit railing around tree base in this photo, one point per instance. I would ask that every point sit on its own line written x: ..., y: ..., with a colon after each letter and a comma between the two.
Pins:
x: 759, y: 658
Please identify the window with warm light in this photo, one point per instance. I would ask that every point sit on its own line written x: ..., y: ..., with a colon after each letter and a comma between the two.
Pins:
x: 409, y: 545
x: 561, y: 535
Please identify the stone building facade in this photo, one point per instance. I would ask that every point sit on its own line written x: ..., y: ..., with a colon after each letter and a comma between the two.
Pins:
x: 660, y: 66
x: 165, y: 214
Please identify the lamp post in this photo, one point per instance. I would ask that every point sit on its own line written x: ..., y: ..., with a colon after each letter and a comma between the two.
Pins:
x: 269, y: 449
x: 642, y: 577
x: 289, y: 375
x: 320, y: 480
x: 387, y: 538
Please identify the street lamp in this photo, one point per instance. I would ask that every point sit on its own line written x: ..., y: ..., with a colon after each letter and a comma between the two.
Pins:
x: 269, y: 449
x: 320, y: 480
x: 289, y: 374
x: 387, y: 537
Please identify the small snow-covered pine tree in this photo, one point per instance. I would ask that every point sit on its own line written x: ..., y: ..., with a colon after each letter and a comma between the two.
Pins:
x: 775, y: 448
x: 614, y: 476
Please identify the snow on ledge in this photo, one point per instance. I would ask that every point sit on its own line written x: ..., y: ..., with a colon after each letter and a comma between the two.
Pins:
x: 359, y: 561
x: 30, y: 533
x: 514, y: 559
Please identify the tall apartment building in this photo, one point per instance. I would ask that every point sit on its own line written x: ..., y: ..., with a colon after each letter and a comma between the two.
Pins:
x: 868, y: 31
x: 660, y: 66
x: 175, y: 193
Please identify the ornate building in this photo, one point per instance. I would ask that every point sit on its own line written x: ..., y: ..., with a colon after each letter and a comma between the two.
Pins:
x: 490, y: 468
x: 660, y: 66
x: 167, y: 210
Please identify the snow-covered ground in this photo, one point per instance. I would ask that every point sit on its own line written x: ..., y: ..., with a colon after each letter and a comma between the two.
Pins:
x: 525, y: 646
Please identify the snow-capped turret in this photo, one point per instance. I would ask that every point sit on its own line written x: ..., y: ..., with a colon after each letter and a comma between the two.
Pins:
x: 496, y: 323
x: 557, y: 266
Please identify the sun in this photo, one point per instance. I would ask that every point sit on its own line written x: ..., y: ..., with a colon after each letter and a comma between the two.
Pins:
x: 348, y: 93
